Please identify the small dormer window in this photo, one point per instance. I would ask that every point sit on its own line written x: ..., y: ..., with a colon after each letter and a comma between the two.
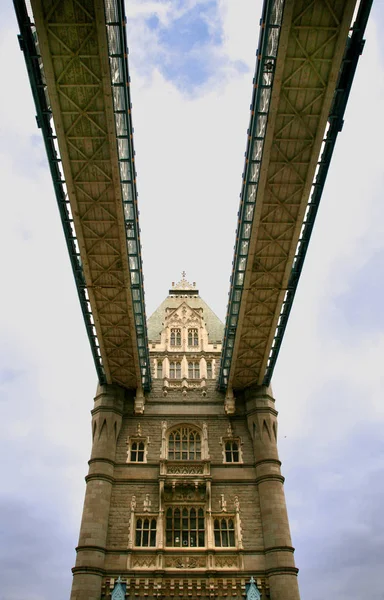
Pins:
x: 193, y: 370
x: 193, y: 337
x: 175, y: 337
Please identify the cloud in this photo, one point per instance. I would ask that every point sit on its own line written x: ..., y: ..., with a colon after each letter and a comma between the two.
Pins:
x: 190, y: 141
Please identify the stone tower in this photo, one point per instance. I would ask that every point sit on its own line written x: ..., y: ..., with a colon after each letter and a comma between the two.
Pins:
x: 184, y: 499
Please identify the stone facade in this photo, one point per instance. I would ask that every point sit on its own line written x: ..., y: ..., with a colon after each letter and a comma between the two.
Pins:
x: 184, y: 500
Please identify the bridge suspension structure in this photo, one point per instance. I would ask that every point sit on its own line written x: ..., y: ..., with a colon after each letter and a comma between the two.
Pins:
x: 306, y: 61
x: 77, y: 60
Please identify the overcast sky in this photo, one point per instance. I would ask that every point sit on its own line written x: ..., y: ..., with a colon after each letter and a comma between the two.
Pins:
x: 191, y: 67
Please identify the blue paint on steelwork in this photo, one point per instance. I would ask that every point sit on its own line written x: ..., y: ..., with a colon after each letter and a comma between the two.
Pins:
x: 265, y: 67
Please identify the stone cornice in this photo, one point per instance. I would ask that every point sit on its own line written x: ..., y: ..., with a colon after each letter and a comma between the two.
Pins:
x: 100, y: 476
x: 269, y: 477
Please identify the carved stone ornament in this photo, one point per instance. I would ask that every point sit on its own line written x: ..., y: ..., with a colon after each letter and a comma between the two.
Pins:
x: 139, y: 402
x: 145, y: 561
x: 185, y: 562
x: 236, y: 503
x: 133, y: 503
x: 226, y: 561
x: 147, y: 503
x: 185, y: 470
x: 223, y: 503
x: 138, y: 430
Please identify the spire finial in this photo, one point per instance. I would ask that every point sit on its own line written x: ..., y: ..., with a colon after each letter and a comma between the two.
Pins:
x: 183, y: 274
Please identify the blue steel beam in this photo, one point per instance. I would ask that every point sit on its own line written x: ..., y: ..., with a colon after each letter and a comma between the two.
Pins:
x: 270, y: 25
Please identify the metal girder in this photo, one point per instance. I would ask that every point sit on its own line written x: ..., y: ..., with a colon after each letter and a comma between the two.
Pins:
x: 82, y: 56
x: 300, y: 61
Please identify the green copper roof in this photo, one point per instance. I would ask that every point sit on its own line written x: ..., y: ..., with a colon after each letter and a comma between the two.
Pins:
x: 179, y: 295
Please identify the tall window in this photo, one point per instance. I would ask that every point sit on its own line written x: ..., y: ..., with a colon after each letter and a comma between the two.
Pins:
x: 145, y: 532
x: 159, y: 369
x: 209, y: 369
x: 185, y: 527
x: 224, y: 532
x: 175, y: 337
x: 175, y: 370
x: 184, y: 444
x: 193, y: 337
x: 232, y: 451
x: 193, y: 370
x: 137, y: 452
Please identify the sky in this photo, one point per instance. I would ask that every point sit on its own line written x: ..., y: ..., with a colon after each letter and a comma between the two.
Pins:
x: 191, y: 66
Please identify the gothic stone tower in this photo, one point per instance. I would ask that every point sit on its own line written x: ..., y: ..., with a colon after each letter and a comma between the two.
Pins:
x: 183, y: 500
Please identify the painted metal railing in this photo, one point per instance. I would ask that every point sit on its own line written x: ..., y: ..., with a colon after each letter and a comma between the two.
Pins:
x: 265, y: 67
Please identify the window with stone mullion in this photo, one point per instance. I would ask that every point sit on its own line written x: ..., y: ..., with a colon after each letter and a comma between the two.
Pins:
x: 232, y: 451
x: 193, y: 370
x: 224, y: 531
x: 185, y: 527
x: 184, y: 444
x: 175, y: 337
x: 145, y: 532
x: 175, y: 370
x: 193, y: 337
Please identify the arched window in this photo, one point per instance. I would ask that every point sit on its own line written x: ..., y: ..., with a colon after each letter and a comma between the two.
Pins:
x: 209, y: 369
x: 232, y: 451
x: 175, y: 370
x: 175, y: 337
x: 193, y: 337
x: 145, y: 532
x: 137, y: 451
x: 224, y: 532
x: 185, y: 527
x: 159, y: 369
x: 184, y: 444
x: 193, y: 370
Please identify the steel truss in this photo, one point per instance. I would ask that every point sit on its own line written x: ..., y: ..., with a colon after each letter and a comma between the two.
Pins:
x: 78, y: 69
x: 301, y: 83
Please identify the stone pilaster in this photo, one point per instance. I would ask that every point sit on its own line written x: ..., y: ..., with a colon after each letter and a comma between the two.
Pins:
x: 279, y: 561
x: 106, y: 422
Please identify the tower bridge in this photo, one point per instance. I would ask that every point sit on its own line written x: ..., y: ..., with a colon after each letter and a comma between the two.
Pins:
x: 184, y: 400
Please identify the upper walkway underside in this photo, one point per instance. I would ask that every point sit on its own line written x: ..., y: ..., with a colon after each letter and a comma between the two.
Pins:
x: 306, y: 61
x: 76, y: 54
